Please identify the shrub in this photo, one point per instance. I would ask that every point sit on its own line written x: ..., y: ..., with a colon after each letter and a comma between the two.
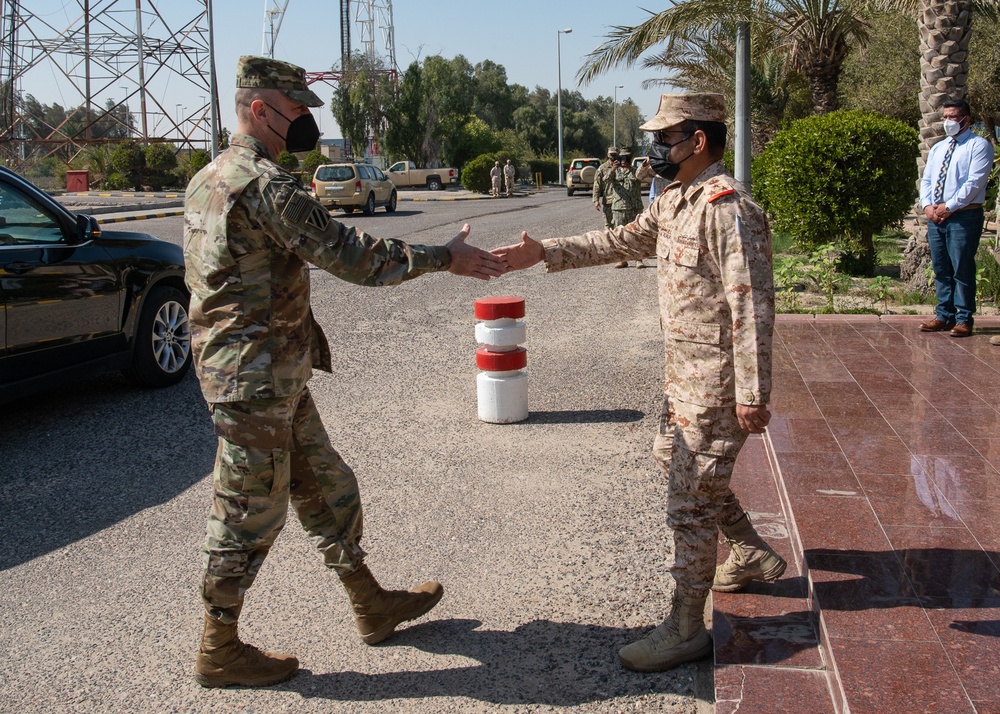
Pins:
x: 313, y: 159
x: 547, y: 167
x: 161, y: 159
x: 127, y: 163
x: 839, y: 177
x: 288, y: 161
x: 476, y: 174
x: 199, y: 159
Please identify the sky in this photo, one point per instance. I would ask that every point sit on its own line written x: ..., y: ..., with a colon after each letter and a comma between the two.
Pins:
x: 518, y: 34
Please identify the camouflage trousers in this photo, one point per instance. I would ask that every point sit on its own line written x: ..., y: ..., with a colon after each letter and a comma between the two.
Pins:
x: 609, y: 220
x: 272, y: 451
x: 696, y: 447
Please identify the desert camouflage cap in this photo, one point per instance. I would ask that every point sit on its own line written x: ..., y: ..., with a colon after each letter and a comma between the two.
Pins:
x: 266, y: 73
x: 675, y: 108
x: 612, y: 151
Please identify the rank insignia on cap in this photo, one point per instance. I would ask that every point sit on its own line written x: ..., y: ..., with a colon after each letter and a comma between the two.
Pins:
x: 720, y: 194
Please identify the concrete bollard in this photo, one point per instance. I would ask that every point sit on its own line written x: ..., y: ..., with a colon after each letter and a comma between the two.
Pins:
x: 502, y: 386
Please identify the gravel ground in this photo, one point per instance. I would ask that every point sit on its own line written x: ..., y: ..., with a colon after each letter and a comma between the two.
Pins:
x: 548, y: 535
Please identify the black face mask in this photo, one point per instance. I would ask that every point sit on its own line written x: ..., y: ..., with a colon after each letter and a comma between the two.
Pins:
x: 302, y: 133
x: 659, y: 159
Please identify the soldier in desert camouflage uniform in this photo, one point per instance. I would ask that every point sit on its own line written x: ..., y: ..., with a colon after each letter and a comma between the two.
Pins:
x: 601, y: 185
x: 713, y: 250
x: 250, y: 236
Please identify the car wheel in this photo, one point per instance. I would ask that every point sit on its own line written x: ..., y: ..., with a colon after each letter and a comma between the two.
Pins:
x: 369, y: 209
x: 569, y: 192
x: 391, y: 206
x: 162, y: 353
x: 434, y: 184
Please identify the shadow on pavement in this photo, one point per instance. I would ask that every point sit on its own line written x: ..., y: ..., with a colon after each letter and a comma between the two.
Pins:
x: 541, y: 662
x: 584, y: 416
x: 76, y: 461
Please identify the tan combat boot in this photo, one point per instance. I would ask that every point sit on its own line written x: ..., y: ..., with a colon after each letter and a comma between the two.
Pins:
x: 750, y: 558
x: 378, y: 611
x: 224, y: 661
x: 681, y: 638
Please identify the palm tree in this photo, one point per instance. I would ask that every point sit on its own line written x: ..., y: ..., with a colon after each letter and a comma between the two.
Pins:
x: 814, y: 35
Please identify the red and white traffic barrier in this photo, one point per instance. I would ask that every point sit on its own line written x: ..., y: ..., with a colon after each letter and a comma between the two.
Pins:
x: 502, y: 385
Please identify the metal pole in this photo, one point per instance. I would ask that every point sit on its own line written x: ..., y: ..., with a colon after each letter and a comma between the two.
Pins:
x: 614, y: 137
x: 142, y: 72
x: 211, y: 76
x: 742, y: 152
x: 562, y: 177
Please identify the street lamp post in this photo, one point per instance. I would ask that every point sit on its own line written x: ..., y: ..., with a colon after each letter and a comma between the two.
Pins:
x: 562, y: 176
x: 128, y: 119
x: 614, y: 122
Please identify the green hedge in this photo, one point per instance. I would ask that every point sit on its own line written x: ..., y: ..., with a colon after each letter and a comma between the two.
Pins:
x: 839, y: 177
x: 476, y: 174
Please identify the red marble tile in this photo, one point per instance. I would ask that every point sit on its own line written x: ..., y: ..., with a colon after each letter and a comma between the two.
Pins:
x: 852, y: 429
x: 771, y: 690
x: 988, y: 448
x: 801, y: 435
x: 876, y: 454
x: 935, y: 512
x: 971, y: 639
x: 837, y: 522
x: 812, y: 473
x: 898, y: 677
x: 789, y: 640
x: 946, y: 566
x: 866, y: 596
x: 973, y: 420
x: 837, y: 393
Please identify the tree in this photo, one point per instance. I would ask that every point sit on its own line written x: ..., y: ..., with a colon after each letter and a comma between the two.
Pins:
x: 160, y: 160
x: 404, y: 135
x: 288, y: 161
x: 313, y: 159
x: 128, y: 161
x: 814, y: 34
x: 360, y: 101
x: 984, y: 74
x: 884, y: 76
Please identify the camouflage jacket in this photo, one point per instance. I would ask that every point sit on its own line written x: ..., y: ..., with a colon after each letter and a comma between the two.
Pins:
x: 713, y: 249
x: 599, y: 191
x: 250, y: 233
x: 624, y: 191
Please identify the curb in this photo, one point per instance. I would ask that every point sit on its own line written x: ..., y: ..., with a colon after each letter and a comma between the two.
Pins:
x: 141, y: 217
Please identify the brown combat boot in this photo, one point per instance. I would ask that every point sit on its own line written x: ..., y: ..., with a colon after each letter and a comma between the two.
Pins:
x: 681, y: 638
x: 750, y: 558
x: 378, y: 611
x: 224, y: 661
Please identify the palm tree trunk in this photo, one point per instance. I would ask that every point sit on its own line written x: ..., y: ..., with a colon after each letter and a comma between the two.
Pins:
x: 945, y: 32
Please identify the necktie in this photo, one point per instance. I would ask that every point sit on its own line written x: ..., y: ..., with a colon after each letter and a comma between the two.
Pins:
x: 943, y: 173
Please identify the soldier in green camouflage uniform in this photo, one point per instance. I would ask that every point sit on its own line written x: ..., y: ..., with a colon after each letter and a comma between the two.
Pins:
x: 250, y: 235
x: 626, y: 197
x: 713, y: 249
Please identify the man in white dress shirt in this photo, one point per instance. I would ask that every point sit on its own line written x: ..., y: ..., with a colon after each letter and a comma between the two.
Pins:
x: 952, y: 191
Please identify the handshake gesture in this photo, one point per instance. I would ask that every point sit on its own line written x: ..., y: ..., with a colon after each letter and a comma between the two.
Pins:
x: 521, y: 255
x: 472, y: 262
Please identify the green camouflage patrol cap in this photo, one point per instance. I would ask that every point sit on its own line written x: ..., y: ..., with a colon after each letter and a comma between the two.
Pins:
x: 675, y: 108
x: 612, y: 151
x: 266, y: 73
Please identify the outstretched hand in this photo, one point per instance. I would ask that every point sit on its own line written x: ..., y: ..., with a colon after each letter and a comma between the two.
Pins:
x: 471, y: 262
x: 522, y: 255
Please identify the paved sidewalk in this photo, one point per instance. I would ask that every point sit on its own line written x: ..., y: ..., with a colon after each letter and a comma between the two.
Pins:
x: 878, y: 480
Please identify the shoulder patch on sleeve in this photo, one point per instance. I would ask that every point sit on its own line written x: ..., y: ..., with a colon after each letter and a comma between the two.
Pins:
x: 720, y: 194
x: 302, y: 210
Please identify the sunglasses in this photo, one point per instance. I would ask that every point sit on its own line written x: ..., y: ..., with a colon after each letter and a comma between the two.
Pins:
x: 661, y: 137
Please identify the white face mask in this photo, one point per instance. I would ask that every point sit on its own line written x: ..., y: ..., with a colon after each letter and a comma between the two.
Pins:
x: 952, y: 127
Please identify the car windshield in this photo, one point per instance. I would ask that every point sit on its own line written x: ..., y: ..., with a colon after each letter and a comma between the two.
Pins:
x: 334, y: 173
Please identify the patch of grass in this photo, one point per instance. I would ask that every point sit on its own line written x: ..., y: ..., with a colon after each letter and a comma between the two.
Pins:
x: 782, y: 243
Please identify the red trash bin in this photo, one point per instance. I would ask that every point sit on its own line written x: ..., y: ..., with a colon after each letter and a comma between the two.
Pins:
x: 77, y: 180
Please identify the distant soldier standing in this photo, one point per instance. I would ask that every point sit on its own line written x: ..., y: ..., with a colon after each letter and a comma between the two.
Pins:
x: 600, y: 185
x: 716, y: 290
x: 250, y: 234
x: 495, y: 174
x: 623, y: 189
x: 508, y: 177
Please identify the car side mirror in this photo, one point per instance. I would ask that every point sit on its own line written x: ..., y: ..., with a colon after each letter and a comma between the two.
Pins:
x: 87, y: 228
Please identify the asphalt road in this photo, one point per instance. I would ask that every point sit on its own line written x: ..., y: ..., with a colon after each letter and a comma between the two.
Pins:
x: 549, y: 536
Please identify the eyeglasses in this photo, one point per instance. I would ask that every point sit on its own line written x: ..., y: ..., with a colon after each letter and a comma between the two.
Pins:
x: 661, y: 137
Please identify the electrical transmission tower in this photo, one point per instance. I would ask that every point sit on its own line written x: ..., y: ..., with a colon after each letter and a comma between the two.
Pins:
x: 122, y: 69
x: 274, y: 12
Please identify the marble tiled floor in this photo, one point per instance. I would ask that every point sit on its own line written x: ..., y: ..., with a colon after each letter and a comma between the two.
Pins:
x: 878, y: 481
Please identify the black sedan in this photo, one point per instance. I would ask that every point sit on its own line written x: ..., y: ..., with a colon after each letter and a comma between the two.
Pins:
x: 77, y: 301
